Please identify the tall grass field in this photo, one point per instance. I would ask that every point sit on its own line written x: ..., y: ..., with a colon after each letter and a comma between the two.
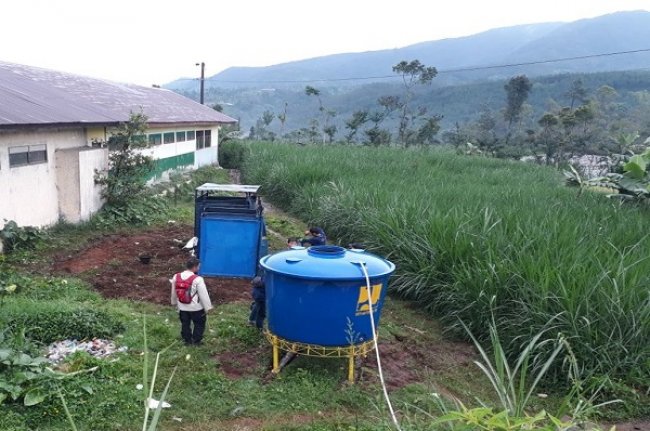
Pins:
x: 474, y: 236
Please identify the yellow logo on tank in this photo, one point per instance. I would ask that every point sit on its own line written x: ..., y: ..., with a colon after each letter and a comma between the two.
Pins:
x: 363, y: 304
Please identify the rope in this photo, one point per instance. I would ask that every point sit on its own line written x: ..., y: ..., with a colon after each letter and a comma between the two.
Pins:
x: 374, y: 337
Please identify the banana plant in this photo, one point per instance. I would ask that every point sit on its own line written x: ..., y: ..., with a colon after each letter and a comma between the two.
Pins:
x: 632, y: 184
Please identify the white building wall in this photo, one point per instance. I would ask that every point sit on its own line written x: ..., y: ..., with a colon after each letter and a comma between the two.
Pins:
x: 208, y: 156
x: 28, y: 194
x: 202, y: 157
x: 164, y: 151
x: 90, y: 160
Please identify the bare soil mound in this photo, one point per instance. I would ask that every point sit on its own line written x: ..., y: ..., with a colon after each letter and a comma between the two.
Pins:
x: 112, y: 265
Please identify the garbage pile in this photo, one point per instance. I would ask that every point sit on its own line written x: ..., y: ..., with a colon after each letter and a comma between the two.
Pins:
x: 97, y: 347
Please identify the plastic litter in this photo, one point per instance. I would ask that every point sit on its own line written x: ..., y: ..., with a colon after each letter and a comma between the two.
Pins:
x: 96, y: 347
x: 153, y: 404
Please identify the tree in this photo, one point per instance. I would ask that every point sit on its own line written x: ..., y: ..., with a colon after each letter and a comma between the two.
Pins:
x: 517, y: 91
x: 312, y: 131
x: 548, y: 122
x: 577, y: 92
x: 485, y: 134
x: 283, y: 118
x: 584, y: 116
x: 428, y: 131
x: 267, y: 117
x: 377, y: 136
x: 568, y: 122
x: 330, y: 131
x: 125, y: 180
x: 327, y: 114
x: 413, y: 73
x: 358, y: 119
x: 262, y: 124
x: 456, y: 137
x: 217, y: 107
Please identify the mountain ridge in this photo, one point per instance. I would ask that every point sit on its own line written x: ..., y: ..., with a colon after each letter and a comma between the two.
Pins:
x: 620, y: 31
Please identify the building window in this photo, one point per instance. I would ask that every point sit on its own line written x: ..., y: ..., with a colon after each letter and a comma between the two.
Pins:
x: 190, y: 135
x: 155, y: 139
x: 27, y: 155
x: 199, y: 139
x: 180, y: 136
x: 208, y: 139
x: 169, y: 138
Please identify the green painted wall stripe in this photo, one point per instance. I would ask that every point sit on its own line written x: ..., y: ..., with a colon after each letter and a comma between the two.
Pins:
x: 171, y: 164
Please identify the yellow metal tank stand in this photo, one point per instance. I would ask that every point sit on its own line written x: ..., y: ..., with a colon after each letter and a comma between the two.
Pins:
x: 351, y: 352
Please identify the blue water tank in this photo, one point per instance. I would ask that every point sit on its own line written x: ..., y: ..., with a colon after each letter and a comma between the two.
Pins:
x: 319, y: 295
x: 230, y: 229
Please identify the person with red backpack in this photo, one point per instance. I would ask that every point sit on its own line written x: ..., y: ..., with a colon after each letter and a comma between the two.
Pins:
x: 190, y: 296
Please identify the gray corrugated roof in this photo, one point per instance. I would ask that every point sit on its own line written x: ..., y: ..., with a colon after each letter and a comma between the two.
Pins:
x: 31, y: 95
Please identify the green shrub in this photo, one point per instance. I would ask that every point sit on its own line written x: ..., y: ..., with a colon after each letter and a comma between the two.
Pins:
x: 15, y: 238
x: 232, y: 154
x: 46, y: 322
x: 143, y: 211
x: 181, y: 186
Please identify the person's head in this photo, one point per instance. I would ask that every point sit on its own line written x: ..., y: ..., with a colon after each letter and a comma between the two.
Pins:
x: 315, y: 231
x: 356, y: 246
x: 192, y: 264
x: 292, y: 242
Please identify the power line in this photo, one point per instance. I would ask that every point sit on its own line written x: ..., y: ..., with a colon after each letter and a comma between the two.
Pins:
x: 453, y: 70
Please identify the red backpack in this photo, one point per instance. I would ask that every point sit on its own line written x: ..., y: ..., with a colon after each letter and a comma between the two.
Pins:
x: 184, y: 288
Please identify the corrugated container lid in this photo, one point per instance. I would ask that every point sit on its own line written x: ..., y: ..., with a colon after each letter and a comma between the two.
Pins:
x: 327, y: 262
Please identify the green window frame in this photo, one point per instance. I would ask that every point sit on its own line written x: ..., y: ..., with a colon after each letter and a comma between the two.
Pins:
x: 180, y: 136
x: 200, y: 139
x: 169, y: 138
x: 155, y: 139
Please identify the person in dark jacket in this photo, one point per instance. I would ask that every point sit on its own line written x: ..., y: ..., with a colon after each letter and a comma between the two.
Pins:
x: 315, y: 236
x: 358, y: 246
x: 258, y: 307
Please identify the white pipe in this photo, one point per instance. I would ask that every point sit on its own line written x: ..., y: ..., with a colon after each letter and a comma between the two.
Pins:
x: 374, y: 337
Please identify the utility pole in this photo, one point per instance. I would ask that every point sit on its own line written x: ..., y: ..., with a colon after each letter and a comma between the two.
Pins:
x: 202, y: 79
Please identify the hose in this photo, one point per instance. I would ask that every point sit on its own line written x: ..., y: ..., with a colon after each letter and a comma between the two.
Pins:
x: 374, y: 337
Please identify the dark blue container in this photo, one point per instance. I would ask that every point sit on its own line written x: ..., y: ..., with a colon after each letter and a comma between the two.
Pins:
x: 319, y: 295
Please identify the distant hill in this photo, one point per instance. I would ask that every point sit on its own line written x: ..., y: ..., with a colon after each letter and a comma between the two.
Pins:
x: 457, y: 103
x: 620, y: 31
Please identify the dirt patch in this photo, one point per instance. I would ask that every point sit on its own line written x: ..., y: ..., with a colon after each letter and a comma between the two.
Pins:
x: 252, y: 362
x: 633, y: 426
x: 409, y: 361
x: 111, y: 265
x: 251, y: 424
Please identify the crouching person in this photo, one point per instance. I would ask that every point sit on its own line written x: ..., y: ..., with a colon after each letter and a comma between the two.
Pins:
x: 258, y: 307
x: 190, y: 296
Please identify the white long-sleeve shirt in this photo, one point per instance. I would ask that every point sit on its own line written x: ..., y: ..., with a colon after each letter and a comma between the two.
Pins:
x: 198, y: 291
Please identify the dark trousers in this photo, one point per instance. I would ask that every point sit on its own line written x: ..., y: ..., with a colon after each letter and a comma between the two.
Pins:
x: 258, y: 313
x: 188, y: 318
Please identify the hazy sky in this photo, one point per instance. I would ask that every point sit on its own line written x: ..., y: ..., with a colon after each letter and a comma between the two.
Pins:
x: 156, y: 41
